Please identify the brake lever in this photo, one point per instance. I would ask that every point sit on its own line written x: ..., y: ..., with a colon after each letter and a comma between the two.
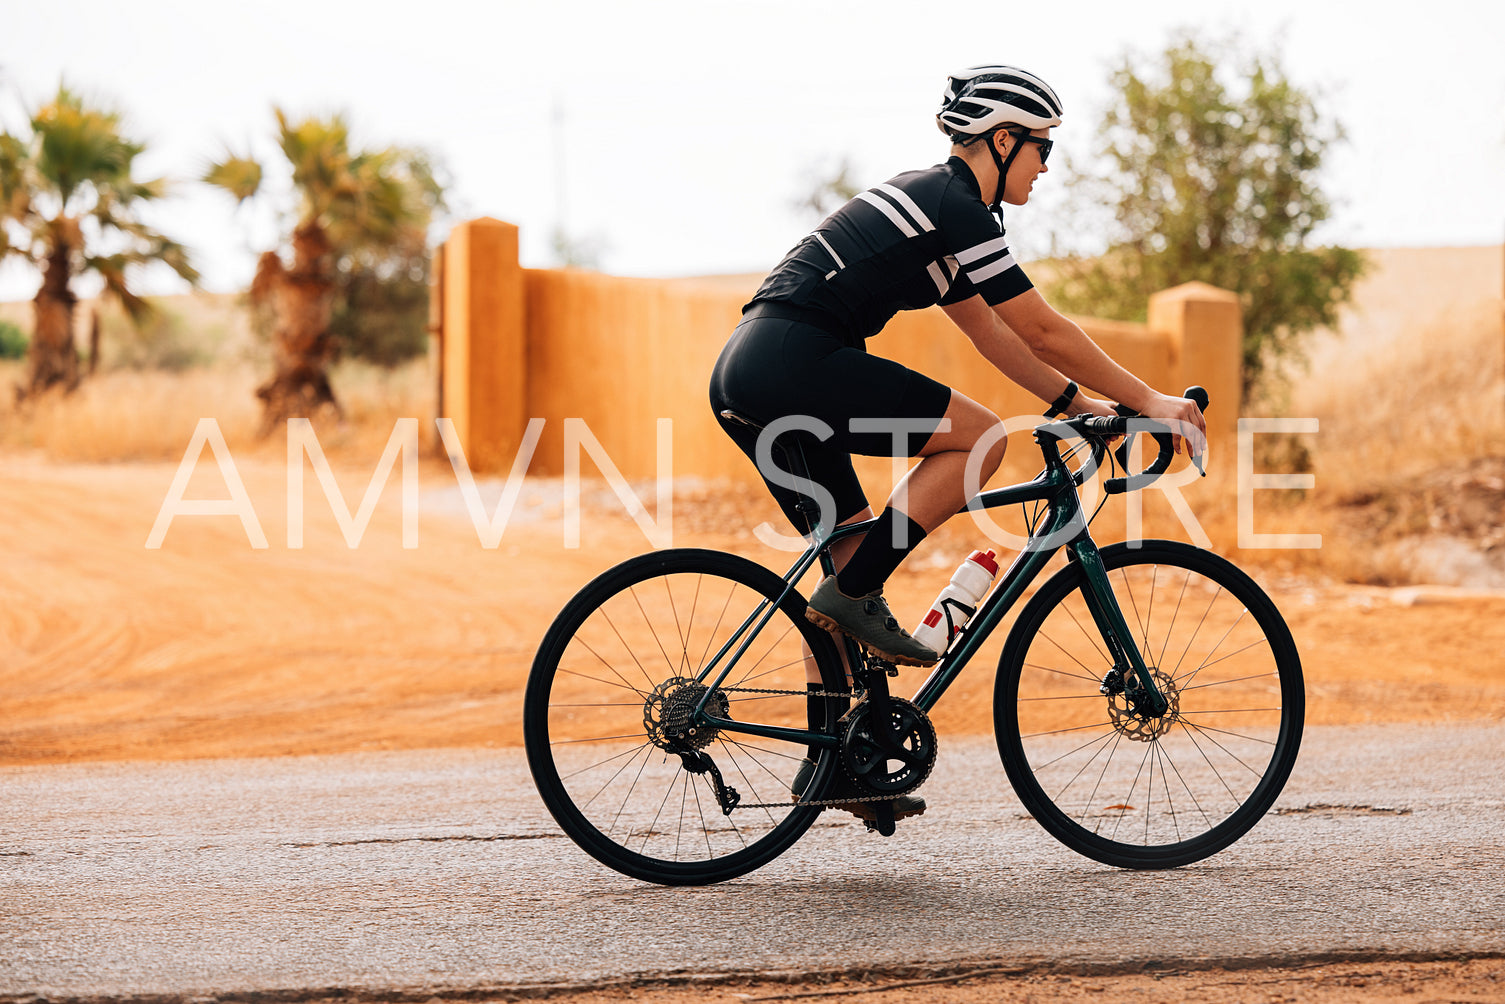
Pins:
x: 1197, y: 395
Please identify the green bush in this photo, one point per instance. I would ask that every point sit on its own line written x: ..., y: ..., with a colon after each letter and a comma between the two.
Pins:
x: 1213, y: 167
x: 13, y: 341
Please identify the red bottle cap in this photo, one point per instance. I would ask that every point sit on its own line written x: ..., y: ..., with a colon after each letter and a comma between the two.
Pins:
x: 987, y: 559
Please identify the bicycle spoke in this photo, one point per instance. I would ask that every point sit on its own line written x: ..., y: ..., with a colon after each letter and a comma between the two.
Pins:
x: 1103, y: 773
x: 1224, y: 683
x: 1208, y: 760
x: 1061, y: 672
x: 602, y: 763
x: 716, y: 628
x: 1062, y: 697
x: 1091, y: 640
x: 1074, y: 728
x: 1193, y: 674
x: 631, y: 654
x: 593, y: 739
x: 1190, y: 794
x: 684, y: 642
x: 759, y: 661
x: 627, y: 797
x: 1252, y: 645
x: 1206, y: 729
x: 1170, y: 803
x: 624, y: 684
x: 751, y: 788
x: 651, y: 629
x: 1129, y: 798
x: 1060, y: 648
x: 1101, y: 742
x: 769, y: 671
x: 1175, y: 615
x: 1196, y: 631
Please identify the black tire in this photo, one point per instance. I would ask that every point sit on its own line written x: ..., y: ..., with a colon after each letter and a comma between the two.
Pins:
x: 1160, y: 793
x: 626, y: 800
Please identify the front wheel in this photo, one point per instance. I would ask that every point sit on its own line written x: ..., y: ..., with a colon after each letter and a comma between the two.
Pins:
x: 609, y: 717
x: 1127, y: 788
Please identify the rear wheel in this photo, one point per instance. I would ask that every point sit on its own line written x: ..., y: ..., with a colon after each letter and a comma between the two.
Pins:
x: 607, y: 717
x: 1136, y: 790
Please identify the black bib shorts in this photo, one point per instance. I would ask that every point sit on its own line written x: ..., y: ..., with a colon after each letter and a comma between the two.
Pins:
x: 775, y: 368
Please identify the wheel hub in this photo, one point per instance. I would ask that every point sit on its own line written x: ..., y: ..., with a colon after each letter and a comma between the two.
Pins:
x: 668, y: 715
x: 1131, y: 722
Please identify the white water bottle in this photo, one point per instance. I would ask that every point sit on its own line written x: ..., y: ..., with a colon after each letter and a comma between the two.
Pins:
x: 958, y: 601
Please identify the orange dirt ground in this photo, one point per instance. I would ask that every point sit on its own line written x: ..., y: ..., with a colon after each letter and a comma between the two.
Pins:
x: 207, y: 647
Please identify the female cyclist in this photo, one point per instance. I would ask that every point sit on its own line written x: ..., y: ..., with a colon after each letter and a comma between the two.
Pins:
x: 921, y: 238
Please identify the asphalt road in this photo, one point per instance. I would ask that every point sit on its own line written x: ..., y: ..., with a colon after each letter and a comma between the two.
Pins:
x: 441, y: 869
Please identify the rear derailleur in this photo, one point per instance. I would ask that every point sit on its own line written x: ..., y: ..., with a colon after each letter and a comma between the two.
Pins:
x: 698, y: 762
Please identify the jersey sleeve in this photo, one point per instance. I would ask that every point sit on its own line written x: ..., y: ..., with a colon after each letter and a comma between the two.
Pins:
x: 981, y: 250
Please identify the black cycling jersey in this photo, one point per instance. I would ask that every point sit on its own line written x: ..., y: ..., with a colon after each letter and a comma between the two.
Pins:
x: 922, y: 238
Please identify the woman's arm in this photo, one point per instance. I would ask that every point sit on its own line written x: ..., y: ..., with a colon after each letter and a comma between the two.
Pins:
x: 1000, y: 346
x: 1059, y: 342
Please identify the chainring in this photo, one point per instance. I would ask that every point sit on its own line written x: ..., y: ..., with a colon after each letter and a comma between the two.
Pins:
x: 668, y: 711
x: 895, y: 760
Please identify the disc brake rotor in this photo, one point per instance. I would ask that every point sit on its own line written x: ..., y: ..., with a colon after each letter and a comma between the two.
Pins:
x: 1131, y: 725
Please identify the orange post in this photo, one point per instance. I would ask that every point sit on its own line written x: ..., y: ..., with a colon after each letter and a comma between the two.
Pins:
x: 484, y: 345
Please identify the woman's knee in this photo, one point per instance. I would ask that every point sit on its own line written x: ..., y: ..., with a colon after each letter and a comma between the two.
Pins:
x: 970, y: 427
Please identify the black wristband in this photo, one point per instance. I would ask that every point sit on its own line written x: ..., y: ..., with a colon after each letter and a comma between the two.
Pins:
x: 1060, y: 404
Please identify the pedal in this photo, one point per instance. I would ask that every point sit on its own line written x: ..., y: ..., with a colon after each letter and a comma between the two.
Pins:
x: 884, y: 823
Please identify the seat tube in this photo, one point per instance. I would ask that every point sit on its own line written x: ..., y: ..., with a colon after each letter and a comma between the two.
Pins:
x: 1097, y: 590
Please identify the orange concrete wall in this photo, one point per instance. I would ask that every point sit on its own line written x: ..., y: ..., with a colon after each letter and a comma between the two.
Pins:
x: 621, y: 353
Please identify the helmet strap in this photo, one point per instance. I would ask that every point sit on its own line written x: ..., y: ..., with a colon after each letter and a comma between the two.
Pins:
x: 1003, y: 165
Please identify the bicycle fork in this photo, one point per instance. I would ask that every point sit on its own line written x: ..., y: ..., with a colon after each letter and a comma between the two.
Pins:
x: 1127, y: 659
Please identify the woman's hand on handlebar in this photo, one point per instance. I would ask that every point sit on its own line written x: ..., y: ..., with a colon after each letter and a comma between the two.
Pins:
x: 1092, y: 406
x: 1184, y: 418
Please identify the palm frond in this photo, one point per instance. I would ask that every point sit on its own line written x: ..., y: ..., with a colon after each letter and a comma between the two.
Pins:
x: 80, y: 145
x: 240, y: 176
x: 112, y: 268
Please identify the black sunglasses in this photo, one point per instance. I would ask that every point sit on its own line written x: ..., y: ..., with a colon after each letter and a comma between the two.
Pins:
x: 1044, y: 144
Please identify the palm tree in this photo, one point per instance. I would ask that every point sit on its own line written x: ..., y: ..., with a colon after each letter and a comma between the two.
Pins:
x: 68, y: 205
x: 352, y: 205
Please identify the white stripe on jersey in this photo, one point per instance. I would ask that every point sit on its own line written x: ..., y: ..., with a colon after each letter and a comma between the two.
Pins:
x: 890, y: 212
x: 988, y: 271
x: 982, y: 250
x: 830, y: 251
x: 902, y: 198
x: 942, y: 284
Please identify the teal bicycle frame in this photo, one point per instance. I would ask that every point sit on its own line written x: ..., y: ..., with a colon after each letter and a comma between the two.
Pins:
x: 1064, y: 525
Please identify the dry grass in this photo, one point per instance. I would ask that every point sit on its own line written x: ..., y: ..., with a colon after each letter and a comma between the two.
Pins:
x: 124, y: 415
x: 1410, y: 459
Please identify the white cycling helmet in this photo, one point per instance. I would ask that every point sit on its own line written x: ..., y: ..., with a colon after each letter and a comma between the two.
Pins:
x: 983, y: 98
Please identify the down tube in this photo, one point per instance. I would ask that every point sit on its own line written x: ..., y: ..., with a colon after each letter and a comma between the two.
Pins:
x: 1025, y: 569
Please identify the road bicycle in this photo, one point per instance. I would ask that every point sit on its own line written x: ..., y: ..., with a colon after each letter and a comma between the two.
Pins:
x: 1148, y: 704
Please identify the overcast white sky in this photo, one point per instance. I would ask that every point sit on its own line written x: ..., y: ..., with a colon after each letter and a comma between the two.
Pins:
x: 691, y: 126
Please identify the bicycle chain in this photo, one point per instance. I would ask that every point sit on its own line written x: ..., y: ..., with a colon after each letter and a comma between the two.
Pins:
x: 822, y: 802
